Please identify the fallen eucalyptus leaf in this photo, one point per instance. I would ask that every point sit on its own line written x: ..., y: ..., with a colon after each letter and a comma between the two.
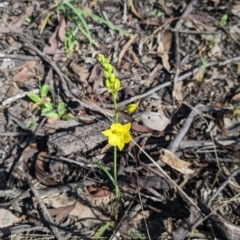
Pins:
x: 174, y: 162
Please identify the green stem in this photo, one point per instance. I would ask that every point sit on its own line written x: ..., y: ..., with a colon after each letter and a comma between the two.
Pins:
x: 114, y: 97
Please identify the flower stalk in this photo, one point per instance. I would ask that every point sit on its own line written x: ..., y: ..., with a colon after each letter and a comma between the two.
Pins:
x: 118, y: 134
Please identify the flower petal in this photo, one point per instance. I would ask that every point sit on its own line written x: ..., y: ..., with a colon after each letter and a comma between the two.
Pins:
x: 116, y: 127
x: 126, y: 137
x: 120, y: 144
x: 126, y: 127
x: 113, y: 140
x: 107, y: 132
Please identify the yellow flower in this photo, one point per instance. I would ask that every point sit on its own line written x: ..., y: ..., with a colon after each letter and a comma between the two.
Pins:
x: 118, y: 134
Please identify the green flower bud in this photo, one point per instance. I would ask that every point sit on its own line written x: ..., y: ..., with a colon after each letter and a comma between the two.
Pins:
x: 112, y: 77
x: 110, y: 68
x: 108, y: 84
x: 100, y: 58
x: 105, y: 66
x: 131, y: 108
x: 106, y: 74
x: 116, y: 84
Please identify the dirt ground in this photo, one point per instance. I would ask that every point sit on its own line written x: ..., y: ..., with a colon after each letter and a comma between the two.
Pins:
x: 178, y: 61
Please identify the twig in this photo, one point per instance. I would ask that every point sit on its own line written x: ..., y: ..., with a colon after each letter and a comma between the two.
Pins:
x: 18, y: 96
x: 215, y: 194
x: 44, y: 209
x: 173, y: 146
x: 19, y: 57
x: 188, y: 9
x: 211, y: 64
x: 43, y: 192
x: 140, y: 96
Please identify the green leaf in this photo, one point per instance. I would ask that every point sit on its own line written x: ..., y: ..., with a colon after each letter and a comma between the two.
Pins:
x: 61, y: 106
x: 48, y: 105
x: 102, y: 230
x: 44, y: 90
x: 224, y: 19
x: 67, y: 116
x: 34, y: 97
x: 51, y: 115
x: 45, y: 110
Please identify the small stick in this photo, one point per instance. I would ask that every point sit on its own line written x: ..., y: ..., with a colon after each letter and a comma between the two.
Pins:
x: 44, y: 209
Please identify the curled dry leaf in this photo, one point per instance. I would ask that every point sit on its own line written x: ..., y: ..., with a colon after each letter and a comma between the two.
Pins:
x: 175, y: 163
x: 153, y: 120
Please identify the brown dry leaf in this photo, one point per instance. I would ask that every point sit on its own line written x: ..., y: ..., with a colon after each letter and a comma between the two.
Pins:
x: 40, y: 173
x: 12, y: 90
x: 7, y: 218
x: 141, y: 128
x: 62, y: 30
x: 58, y: 55
x: 82, y: 72
x: 23, y: 75
x: 56, y: 40
x: 96, y: 77
x: 164, y: 47
x: 98, y: 192
x: 53, y: 44
x: 61, y: 212
x: 133, y: 9
x: 153, y: 120
x: 219, y: 121
x: 125, y: 48
x: 175, y: 163
x: 177, y: 92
